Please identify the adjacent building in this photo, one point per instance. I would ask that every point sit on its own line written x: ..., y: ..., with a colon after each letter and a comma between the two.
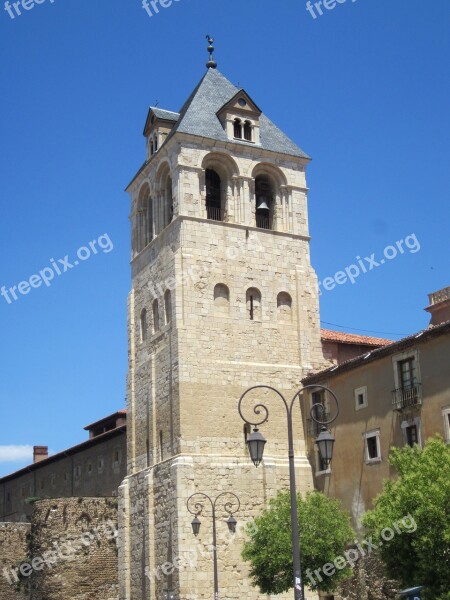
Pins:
x: 390, y: 396
x: 94, y: 468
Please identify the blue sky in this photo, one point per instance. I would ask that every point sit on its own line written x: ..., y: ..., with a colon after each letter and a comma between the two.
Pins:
x: 363, y: 89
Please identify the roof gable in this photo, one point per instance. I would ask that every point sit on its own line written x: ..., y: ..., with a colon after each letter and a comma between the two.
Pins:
x: 242, y: 103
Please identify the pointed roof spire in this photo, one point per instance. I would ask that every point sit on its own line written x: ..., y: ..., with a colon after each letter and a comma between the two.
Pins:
x: 211, y: 64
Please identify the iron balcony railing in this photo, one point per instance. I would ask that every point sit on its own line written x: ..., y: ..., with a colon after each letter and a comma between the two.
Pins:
x: 407, y: 397
x: 214, y: 213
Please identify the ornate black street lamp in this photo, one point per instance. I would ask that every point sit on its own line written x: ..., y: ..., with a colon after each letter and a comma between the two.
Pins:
x: 324, y: 441
x: 230, y: 507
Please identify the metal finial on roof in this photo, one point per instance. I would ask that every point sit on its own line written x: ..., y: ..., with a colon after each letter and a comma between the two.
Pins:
x: 211, y: 64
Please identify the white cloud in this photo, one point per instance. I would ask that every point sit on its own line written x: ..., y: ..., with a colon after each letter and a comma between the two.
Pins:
x: 15, y: 453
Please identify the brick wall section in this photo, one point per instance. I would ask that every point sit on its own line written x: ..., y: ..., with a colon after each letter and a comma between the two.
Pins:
x: 88, y: 524
x: 13, y: 549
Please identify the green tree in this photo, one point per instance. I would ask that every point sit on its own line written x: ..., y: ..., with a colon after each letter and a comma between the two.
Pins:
x: 324, y: 534
x: 422, y: 494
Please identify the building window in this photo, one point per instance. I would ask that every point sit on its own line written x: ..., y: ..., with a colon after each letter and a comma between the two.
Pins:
x: 254, y: 304
x: 361, y: 398
x: 284, y: 306
x: 222, y: 297
x: 116, y: 458
x: 407, y: 390
x: 248, y: 131
x: 8, y: 497
x: 411, y: 435
x: 100, y: 464
x: 372, y: 448
x: 446, y: 417
x: 144, y: 219
x: 155, y: 310
x: 238, y: 129
x: 143, y: 325
x: 168, y: 210
x: 264, y: 201
x: 407, y: 373
x: 42, y: 484
x: 156, y: 143
x: 89, y: 469
x: 77, y: 471
x: 161, y: 446
x: 213, y: 195
x: 167, y: 307
x: 411, y: 432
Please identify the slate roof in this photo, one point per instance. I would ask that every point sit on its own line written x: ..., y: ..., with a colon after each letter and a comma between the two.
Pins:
x: 167, y: 115
x: 198, y: 116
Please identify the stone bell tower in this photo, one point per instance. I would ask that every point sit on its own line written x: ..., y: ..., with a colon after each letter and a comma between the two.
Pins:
x: 223, y: 297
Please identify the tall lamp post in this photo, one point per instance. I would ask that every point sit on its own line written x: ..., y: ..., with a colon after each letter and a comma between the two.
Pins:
x: 196, y: 501
x: 324, y: 441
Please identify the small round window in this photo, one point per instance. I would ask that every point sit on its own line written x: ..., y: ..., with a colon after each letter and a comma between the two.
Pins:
x: 242, y: 102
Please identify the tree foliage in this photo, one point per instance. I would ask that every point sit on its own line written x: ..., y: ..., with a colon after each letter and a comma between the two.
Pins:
x: 421, y: 491
x: 324, y: 533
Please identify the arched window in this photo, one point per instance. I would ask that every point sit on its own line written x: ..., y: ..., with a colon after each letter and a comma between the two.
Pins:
x: 151, y: 148
x: 143, y: 325
x: 221, y: 298
x: 238, y: 129
x: 167, y: 307
x: 155, y: 146
x: 168, y: 209
x: 264, y: 201
x: 253, y: 298
x: 144, y: 217
x: 213, y: 195
x: 248, y: 131
x: 284, y: 306
x: 155, y: 311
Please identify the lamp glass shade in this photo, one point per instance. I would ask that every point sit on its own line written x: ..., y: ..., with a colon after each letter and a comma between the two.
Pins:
x: 325, y: 442
x: 196, y: 525
x: 256, y: 443
x: 231, y: 522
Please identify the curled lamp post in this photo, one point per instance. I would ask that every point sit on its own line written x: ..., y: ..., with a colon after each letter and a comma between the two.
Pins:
x: 256, y: 443
x: 231, y: 507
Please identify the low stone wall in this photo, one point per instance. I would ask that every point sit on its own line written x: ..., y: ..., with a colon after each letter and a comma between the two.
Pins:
x: 13, y: 550
x: 369, y: 582
x: 73, y: 544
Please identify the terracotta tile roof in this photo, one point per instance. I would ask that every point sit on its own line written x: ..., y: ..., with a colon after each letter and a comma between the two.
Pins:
x: 377, y: 353
x: 350, y: 338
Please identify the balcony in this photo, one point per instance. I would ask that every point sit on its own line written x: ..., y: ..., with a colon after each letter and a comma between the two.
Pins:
x: 440, y: 296
x: 407, y: 397
x: 312, y: 428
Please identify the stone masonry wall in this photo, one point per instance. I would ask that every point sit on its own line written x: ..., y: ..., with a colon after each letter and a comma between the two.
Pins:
x: 13, y: 550
x: 76, y: 540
